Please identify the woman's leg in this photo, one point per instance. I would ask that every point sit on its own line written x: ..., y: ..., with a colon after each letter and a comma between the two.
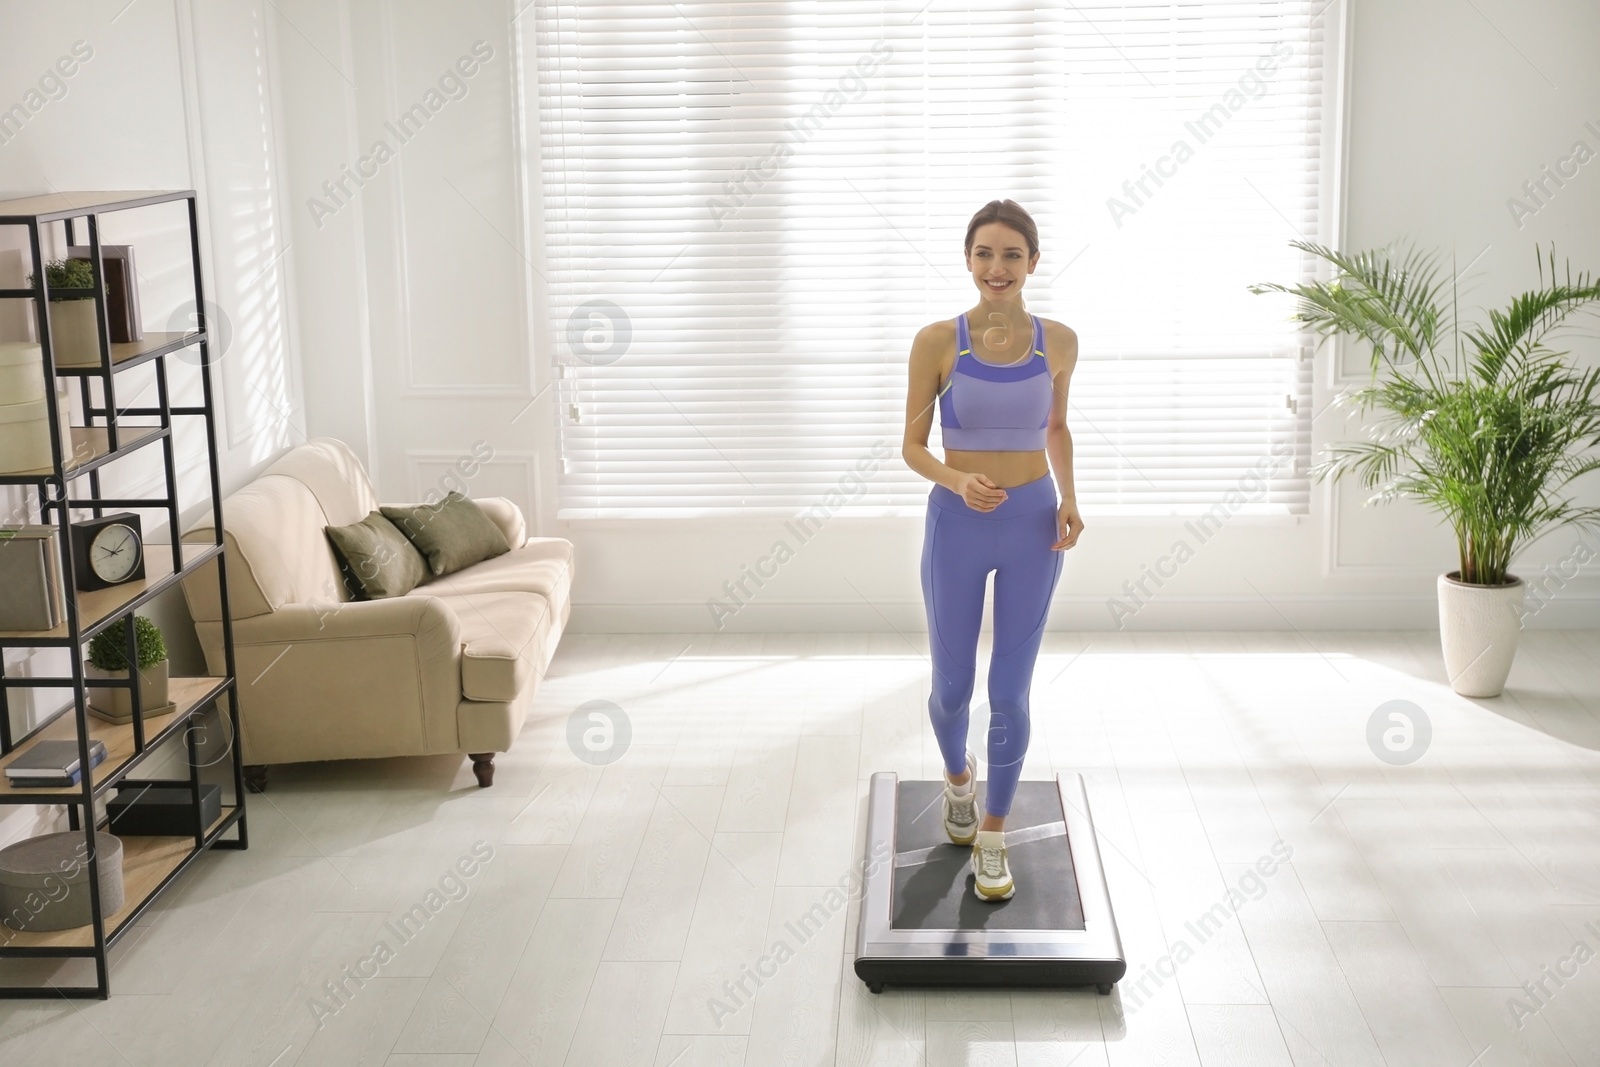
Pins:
x: 1023, y: 584
x: 955, y: 566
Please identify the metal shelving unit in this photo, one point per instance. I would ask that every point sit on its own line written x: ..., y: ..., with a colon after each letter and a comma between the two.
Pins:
x: 149, y: 863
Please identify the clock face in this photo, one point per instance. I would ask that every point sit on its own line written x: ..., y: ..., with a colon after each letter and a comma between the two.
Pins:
x: 114, y: 553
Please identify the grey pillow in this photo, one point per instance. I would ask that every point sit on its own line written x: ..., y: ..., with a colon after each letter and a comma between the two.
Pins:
x: 377, y: 559
x: 451, y: 534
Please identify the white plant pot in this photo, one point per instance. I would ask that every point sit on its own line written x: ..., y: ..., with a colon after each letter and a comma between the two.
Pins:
x: 1478, y: 628
x: 74, y: 336
x: 119, y: 701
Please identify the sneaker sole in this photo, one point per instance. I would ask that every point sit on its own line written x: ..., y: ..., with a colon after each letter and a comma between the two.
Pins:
x: 989, y: 894
x: 986, y: 895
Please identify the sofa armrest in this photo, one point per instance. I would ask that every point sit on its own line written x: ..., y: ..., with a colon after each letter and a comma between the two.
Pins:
x: 337, y: 680
x: 507, y: 516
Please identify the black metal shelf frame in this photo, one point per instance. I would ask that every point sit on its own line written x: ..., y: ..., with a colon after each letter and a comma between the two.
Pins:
x: 55, y: 502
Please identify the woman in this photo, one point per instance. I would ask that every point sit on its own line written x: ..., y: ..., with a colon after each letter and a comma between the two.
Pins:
x: 1000, y: 377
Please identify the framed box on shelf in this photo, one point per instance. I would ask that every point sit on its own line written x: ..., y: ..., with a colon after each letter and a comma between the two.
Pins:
x: 30, y: 578
x: 122, y: 290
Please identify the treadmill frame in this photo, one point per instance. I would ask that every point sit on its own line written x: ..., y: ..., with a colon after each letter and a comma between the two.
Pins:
x: 1021, y: 958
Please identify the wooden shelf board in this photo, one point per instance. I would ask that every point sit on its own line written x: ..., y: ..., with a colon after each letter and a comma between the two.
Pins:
x: 73, y: 203
x: 125, y: 352
x: 90, y: 443
x: 100, y: 604
x: 184, y: 693
x: 146, y: 861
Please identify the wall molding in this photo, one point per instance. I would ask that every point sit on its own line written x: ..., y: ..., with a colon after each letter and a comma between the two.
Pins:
x: 410, y: 387
x: 526, y: 459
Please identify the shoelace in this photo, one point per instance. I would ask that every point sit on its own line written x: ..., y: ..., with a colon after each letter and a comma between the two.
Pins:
x: 992, y: 860
x: 963, y: 809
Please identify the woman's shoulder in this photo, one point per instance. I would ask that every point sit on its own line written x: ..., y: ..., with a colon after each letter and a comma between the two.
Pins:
x: 1059, y: 337
x: 937, y: 334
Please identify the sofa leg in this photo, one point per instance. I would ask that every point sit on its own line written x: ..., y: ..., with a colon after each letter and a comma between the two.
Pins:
x: 255, y: 777
x: 483, y: 767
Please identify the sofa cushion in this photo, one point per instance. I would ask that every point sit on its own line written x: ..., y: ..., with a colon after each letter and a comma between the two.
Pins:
x: 451, y: 534
x: 378, y: 560
x: 504, y: 642
x: 542, y: 565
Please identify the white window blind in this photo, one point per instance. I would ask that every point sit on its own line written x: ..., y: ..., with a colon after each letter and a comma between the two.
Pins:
x: 750, y: 209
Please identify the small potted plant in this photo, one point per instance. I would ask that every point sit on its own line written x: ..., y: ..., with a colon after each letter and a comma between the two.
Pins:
x: 1485, y: 424
x: 74, y: 335
x: 108, y: 659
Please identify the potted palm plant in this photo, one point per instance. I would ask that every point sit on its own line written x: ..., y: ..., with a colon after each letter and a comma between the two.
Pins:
x: 74, y: 334
x: 108, y: 659
x: 1485, y: 424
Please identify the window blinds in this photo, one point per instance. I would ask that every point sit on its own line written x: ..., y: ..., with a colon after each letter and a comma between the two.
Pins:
x: 749, y: 209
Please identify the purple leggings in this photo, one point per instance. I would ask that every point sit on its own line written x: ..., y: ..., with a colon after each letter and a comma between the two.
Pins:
x: 960, y: 547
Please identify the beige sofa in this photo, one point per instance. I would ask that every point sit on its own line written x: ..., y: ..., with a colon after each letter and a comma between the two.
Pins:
x: 450, y: 667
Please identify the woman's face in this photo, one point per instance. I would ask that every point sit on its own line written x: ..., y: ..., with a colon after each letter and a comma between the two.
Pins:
x: 999, y: 261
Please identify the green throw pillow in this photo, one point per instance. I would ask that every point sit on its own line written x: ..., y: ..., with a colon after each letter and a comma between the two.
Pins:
x: 377, y: 559
x: 452, y: 534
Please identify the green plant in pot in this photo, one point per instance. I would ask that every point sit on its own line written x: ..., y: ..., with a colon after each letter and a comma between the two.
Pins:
x: 1485, y: 424
x: 108, y: 659
x: 74, y: 333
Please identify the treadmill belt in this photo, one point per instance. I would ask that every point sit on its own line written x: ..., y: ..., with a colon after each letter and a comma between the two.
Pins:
x: 933, y: 878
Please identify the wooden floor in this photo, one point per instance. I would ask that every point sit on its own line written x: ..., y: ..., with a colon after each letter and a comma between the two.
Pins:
x: 588, y: 914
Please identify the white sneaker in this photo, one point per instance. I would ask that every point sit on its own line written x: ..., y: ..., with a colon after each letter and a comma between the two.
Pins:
x: 991, y: 873
x: 961, y: 808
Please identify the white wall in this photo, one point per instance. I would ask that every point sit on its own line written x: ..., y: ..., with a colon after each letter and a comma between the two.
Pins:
x: 171, y: 96
x: 1448, y: 115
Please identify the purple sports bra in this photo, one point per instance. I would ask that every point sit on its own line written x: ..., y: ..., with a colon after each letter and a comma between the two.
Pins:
x: 985, y: 407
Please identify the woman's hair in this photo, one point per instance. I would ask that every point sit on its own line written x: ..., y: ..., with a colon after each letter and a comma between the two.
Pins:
x: 1012, y: 214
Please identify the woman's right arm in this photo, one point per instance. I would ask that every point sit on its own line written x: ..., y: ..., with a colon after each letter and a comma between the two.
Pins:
x: 922, y: 390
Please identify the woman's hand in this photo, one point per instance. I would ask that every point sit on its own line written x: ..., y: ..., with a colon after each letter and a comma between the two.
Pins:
x: 979, y: 492
x: 1069, y: 524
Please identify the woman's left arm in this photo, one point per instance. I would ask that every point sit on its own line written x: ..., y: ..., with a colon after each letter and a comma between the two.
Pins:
x: 1061, y: 344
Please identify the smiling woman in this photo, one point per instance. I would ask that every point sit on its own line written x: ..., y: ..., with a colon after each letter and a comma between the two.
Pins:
x: 1002, y: 405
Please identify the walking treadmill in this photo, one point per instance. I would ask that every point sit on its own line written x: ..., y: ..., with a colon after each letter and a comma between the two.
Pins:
x: 921, y: 924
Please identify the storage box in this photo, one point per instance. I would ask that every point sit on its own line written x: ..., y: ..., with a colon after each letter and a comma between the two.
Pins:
x: 21, y: 372
x: 161, y: 808
x: 44, y: 881
x: 25, y: 433
x: 31, y: 590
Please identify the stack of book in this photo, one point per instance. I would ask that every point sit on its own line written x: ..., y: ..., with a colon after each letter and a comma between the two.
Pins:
x: 52, y: 765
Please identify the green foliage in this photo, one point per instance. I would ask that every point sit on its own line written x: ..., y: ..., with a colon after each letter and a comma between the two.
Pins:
x: 67, y: 274
x: 1490, y: 438
x: 108, y: 649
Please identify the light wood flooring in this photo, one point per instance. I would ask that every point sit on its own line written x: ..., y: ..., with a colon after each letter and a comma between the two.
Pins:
x: 616, y: 900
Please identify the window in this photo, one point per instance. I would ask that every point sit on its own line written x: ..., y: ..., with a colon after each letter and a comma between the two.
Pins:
x: 748, y: 211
